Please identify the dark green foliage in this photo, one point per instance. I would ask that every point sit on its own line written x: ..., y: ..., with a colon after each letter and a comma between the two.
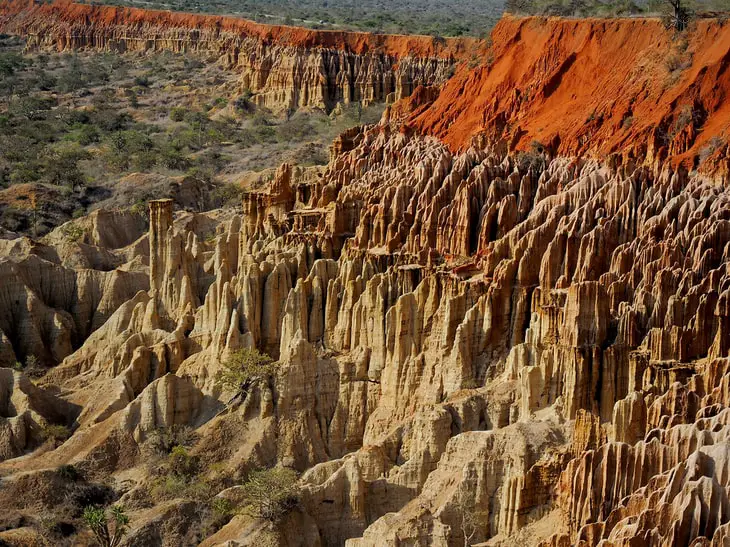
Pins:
x: 73, y: 125
x: 83, y: 494
x: 56, y: 433
x: 108, y: 527
x: 182, y: 464
x: 429, y: 17
x: 68, y: 473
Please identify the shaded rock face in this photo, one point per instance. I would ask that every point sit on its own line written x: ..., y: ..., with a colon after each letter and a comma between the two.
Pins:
x: 24, y: 411
x: 53, y: 295
x: 285, y: 68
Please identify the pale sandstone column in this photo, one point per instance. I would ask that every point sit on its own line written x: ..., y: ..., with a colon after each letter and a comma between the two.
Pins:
x: 160, y: 222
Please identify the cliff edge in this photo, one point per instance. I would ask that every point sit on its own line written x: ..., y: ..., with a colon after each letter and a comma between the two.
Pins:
x: 285, y: 67
x: 618, y: 86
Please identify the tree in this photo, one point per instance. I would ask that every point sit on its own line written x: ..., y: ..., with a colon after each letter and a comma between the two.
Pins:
x: 62, y: 166
x: 271, y: 493
x: 470, y: 517
x: 245, y: 369
x: 108, y: 531
x: 680, y: 16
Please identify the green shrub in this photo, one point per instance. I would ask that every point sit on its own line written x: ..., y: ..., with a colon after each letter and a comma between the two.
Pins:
x: 145, y: 160
x: 163, y: 440
x: 108, y: 530
x: 530, y: 160
x: 142, y: 81
x: 244, y: 369
x: 86, y: 135
x: 56, y: 433
x: 227, y: 194
x: 68, y: 473
x: 177, y: 114
x: 172, y: 158
x: 271, y: 493
x: 222, y: 507
x: 62, y: 165
x: 73, y: 232
x: 182, y: 464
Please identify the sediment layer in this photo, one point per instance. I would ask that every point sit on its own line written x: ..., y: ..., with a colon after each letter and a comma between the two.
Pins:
x: 285, y: 67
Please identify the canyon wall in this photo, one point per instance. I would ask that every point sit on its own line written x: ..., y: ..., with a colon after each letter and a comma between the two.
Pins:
x: 285, y: 67
x: 473, y: 344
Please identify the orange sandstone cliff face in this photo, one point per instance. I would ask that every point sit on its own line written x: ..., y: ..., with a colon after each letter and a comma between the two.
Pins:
x: 286, y: 67
x: 624, y: 86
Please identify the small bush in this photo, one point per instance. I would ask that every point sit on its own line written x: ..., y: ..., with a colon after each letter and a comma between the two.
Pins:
x: 142, y: 81
x: 162, y: 441
x: 227, y: 194
x: 177, y: 114
x: 182, y: 464
x: 243, y: 102
x: 68, y: 473
x: 73, y: 232
x: 683, y: 119
x: 140, y: 208
x: 530, y: 160
x: 83, y: 495
x: 272, y: 493
x: 174, y: 159
x: 222, y: 507
x: 56, y: 433
x: 713, y: 145
x: 110, y: 529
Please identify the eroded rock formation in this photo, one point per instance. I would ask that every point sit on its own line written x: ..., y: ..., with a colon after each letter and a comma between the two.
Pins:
x: 285, y: 67
x: 472, y: 346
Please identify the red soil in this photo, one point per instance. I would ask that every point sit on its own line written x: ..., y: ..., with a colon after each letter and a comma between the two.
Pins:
x: 357, y: 42
x: 592, y: 85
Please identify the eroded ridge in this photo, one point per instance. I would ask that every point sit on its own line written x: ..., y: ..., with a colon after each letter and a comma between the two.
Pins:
x: 284, y: 67
x: 543, y: 346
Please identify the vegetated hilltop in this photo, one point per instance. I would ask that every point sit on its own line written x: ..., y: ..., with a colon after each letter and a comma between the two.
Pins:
x: 214, y: 30
x: 83, y: 130
x: 427, y: 342
x: 432, y: 17
x: 621, y: 86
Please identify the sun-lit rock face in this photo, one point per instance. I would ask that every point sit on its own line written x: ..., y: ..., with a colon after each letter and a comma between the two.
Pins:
x: 286, y: 68
x: 471, y: 345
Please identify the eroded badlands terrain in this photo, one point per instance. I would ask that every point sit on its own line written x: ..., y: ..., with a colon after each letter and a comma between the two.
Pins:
x: 501, y: 315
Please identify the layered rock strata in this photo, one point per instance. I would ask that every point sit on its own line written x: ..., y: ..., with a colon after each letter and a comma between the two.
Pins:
x: 285, y: 67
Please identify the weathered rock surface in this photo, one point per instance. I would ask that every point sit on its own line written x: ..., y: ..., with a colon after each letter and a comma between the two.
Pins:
x: 470, y: 347
x: 285, y: 67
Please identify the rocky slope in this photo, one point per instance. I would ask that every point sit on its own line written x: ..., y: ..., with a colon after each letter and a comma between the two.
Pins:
x: 474, y: 344
x: 285, y: 67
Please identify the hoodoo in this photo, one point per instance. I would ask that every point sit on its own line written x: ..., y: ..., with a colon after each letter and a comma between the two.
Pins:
x: 499, y: 316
